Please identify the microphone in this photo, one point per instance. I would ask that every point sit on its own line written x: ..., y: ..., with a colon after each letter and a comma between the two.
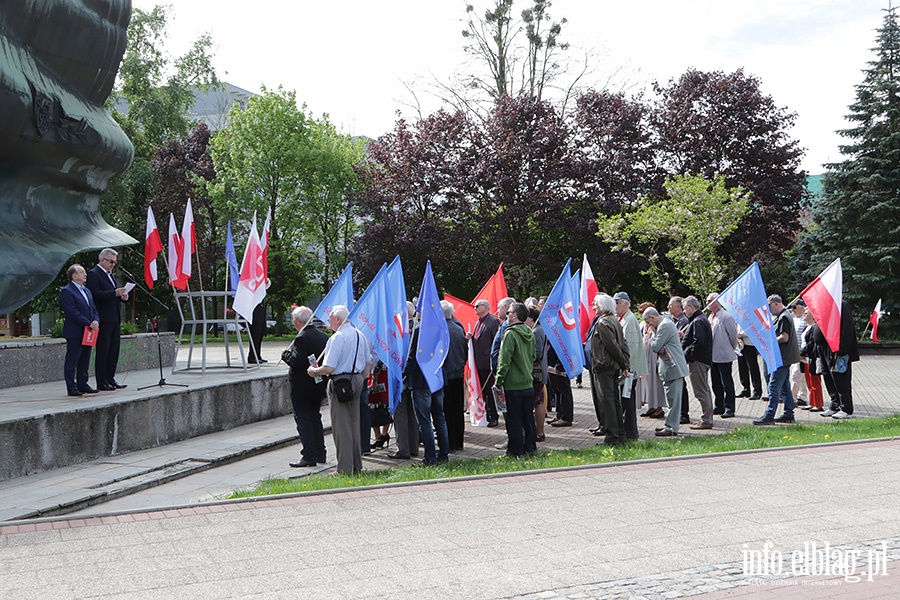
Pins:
x: 125, y: 271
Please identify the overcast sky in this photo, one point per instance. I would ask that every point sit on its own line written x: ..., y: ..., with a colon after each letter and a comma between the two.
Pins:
x: 350, y: 58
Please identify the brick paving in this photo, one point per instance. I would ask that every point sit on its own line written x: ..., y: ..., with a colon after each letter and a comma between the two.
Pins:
x: 677, y: 527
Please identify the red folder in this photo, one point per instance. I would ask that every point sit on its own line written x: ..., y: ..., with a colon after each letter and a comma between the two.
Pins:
x: 90, y: 336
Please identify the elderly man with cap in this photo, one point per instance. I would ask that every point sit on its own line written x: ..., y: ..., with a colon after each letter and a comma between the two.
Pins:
x: 637, y: 362
x: 779, y: 387
x: 724, y: 341
x: 671, y: 366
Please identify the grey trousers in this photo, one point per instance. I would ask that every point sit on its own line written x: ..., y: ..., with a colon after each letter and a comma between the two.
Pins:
x: 406, y: 427
x: 702, y: 391
x: 345, y: 427
x: 674, y: 388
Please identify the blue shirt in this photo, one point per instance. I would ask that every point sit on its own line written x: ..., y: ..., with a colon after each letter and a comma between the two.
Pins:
x: 347, y: 351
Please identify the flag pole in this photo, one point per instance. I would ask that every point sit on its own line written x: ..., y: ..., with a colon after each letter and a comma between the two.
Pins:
x: 199, y: 272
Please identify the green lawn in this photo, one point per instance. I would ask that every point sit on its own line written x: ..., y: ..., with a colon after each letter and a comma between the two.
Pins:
x: 741, y: 438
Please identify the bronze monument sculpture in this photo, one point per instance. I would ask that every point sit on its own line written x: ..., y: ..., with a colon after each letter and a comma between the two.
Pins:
x: 59, y: 148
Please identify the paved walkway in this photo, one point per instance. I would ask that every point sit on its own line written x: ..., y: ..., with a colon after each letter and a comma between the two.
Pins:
x: 211, y: 466
x: 660, y: 529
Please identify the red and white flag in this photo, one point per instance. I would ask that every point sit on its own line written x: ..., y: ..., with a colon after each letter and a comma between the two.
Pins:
x: 252, y: 285
x: 873, y: 320
x: 189, y: 237
x: 477, y: 412
x: 823, y: 299
x: 152, y: 247
x: 265, y: 243
x: 586, y: 298
x: 176, y: 249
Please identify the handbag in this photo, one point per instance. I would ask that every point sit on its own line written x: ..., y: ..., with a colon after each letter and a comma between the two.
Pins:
x: 288, y: 357
x: 343, y: 385
x: 343, y: 389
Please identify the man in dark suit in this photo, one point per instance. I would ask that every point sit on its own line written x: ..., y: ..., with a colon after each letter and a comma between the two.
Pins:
x: 78, y: 307
x: 109, y: 298
x: 306, y: 394
x: 482, y: 340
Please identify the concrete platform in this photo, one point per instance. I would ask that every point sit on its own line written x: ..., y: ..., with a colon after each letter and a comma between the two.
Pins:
x: 41, y: 428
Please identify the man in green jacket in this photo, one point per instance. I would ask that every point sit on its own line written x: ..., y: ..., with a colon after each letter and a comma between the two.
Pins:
x: 517, y: 354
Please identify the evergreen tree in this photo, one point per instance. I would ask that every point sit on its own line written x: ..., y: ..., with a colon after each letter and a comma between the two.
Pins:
x: 858, y: 217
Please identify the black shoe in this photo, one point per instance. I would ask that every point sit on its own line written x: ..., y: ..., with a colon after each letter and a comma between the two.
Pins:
x: 88, y: 390
x: 802, y: 402
x: 303, y: 463
x: 764, y: 421
x: 684, y: 421
x: 600, y: 432
x: 119, y: 386
x: 106, y: 388
x: 540, y: 438
x: 718, y: 411
x: 783, y: 419
x: 593, y: 429
x: 493, y: 423
x: 75, y: 393
x: 743, y: 394
x: 728, y: 414
x: 756, y: 396
x: 665, y: 432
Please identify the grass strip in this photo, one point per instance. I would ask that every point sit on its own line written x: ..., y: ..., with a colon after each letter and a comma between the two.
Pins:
x: 740, y: 438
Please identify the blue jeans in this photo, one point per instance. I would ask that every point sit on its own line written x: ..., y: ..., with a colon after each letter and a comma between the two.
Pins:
x: 780, y: 388
x: 520, y: 426
x: 430, y: 407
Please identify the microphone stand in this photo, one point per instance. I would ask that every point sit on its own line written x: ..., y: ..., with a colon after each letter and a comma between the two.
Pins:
x: 162, y: 379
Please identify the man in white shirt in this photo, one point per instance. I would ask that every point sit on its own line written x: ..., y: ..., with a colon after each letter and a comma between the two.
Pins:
x: 346, y: 355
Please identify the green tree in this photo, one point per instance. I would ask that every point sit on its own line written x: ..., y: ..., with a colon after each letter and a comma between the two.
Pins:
x: 259, y: 163
x: 685, y: 231
x: 858, y: 217
x: 276, y: 157
x: 327, y: 188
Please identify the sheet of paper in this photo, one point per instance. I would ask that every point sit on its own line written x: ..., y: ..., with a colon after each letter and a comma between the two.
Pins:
x: 129, y: 287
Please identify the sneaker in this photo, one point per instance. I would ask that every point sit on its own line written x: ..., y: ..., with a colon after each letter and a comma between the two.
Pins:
x: 502, y: 446
x: 840, y: 415
x: 827, y: 413
x: 783, y: 419
x: 764, y: 421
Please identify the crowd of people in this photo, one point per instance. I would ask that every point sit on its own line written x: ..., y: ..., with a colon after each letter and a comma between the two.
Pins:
x: 639, y: 366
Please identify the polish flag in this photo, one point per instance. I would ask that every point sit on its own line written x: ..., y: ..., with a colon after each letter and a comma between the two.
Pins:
x: 189, y: 237
x: 494, y: 290
x: 823, y: 299
x: 873, y: 320
x: 152, y: 247
x: 477, y: 412
x: 252, y: 285
x: 265, y: 242
x: 176, y: 249
x: 586, y: 298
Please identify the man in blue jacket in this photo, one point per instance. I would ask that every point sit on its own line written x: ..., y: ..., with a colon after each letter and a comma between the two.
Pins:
x: 80, y: 311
